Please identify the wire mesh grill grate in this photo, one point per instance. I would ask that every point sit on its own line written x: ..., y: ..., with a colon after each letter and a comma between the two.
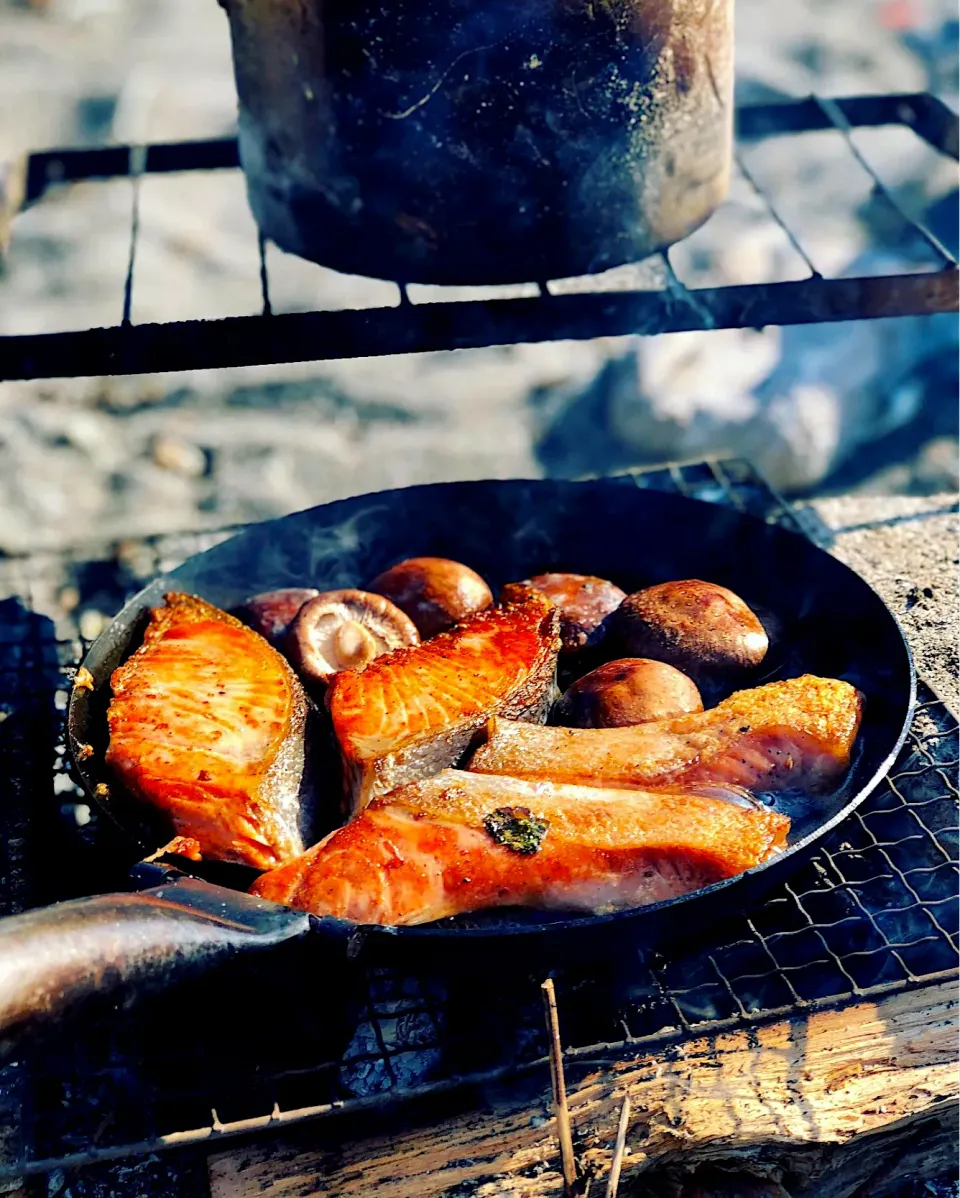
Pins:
x: 874, y: 910
x: 426, y: 319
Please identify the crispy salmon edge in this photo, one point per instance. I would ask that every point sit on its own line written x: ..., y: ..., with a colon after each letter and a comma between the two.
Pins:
x: 298, y: 813
x: 360, y: 778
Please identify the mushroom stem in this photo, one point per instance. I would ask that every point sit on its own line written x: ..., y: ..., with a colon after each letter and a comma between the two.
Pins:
x: 355, y: 645
x: 346, y: 630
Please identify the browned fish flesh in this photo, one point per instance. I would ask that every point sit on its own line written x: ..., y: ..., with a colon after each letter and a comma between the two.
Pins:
x: 792, y: 735
x: 207, y: 724
x: 459, y: 842
x: 412, y: 712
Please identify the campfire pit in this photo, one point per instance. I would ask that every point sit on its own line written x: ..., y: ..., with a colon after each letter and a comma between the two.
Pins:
x: 840, y: 989
x: 810, y: 1043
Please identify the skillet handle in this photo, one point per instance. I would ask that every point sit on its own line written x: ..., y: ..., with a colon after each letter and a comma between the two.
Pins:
x: 114, y: 945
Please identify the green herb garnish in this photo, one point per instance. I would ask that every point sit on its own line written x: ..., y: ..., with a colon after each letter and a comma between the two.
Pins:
x: 517, y: 829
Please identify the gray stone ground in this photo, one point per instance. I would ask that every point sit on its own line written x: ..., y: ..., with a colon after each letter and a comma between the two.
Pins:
x: 906, y: 548
x: 868, y: 406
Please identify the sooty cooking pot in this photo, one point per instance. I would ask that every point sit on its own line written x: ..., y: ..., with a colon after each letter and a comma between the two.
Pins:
x: 482, y: 141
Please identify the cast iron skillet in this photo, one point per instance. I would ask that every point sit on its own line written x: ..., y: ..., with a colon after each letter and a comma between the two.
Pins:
x: 833, y: 624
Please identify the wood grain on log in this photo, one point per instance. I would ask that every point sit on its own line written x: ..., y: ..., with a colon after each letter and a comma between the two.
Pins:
x: 837, y: 1104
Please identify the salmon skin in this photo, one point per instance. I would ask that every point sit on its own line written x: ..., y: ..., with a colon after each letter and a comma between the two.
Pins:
x: 412, y: 712
x: 459, y: 842
x: 792, y: 735
x: 207, y: 723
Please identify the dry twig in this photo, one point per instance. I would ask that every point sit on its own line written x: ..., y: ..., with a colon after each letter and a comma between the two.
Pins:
x: 613, y: 1181
x: 559, y: 1087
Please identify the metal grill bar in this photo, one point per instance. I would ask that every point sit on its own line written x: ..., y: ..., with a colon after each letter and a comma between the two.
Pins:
x: 929, y: 117
x: 772, y: 209
x: 264, y: 276
x: 839, y: 121
x: 685, y: 295
x: 926, y: 115
x: 51, y: 168
x: 471, y: 324
x: 137, y: 158
x: 447, y: 325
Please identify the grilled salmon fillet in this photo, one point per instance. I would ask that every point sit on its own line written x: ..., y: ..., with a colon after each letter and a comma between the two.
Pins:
x: 795, y: 735
x: 459, y: 842
x: 207, y: 723
x: 412, y: 712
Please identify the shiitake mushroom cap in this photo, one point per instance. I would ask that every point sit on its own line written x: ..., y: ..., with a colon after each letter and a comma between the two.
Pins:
x: 699, y: 627
x: 272, y: 612
x: 435, y: 592
x: 631, y: 690
x: 585, y: 603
